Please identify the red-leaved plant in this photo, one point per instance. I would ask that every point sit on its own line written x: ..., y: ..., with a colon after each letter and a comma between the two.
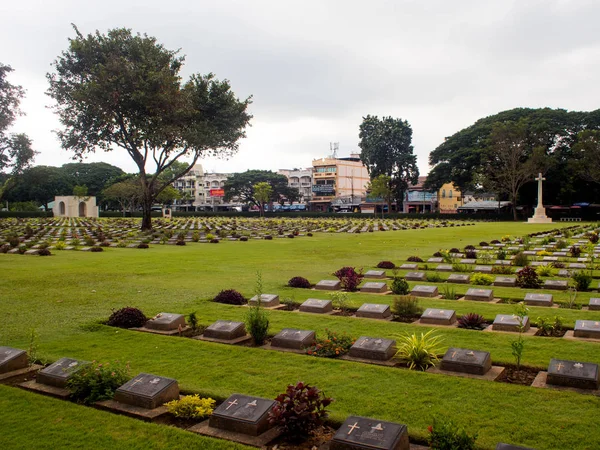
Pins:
x: 349, y: 278
x: 299, y: 411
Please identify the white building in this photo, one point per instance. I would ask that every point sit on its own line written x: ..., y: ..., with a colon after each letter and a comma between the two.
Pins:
x: 300, y: 179
x: 72, y: 206
x: 213, y: 188
x: 191, y: 186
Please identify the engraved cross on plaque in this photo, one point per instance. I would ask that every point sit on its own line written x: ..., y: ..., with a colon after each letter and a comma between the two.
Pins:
x: 353, y: 427
x: 234, y: 402
x: 139, y: 380
x: 559, y: 366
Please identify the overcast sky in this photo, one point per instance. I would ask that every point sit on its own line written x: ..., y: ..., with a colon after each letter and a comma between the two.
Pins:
x: 315, y: 68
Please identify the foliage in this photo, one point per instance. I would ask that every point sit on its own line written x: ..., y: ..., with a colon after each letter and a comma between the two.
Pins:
x: 335, y: 345
x: 299, y: 411
x: 80, y: 191
x: 380, y: 187
x: 482, y: 279
x: 521, y: 260
x: 445, y: 435
x: 191, y: 407
x: 518, y: 345
x: 587, y: 154
x: 433, y: 277
x: 419, y: 352
x: 456, y: 267
x: 582, y: 280
x: 127, y: 317
x: 340, y: 301
x: 97, y: 381
x: 230, y: 297
x: 349, y: 278
x: 262, y: 193
x: 257, y: 324
x: 416, y: 259
x: 406, y: 307
x: 472, y: 321
x: 544, y: 271
x: 192, y: 320
x: 386, y: 265
x: 386, y: 149
x: 242, y: 185
x: 44, y: 252
x: 502, y: 270
x: 528, y: 278
x: 399, y: 286
x: 547, y: 327
x: 299, y: 282
x: 449, y: 292
x: 124, y: 90
x: 575, y: 251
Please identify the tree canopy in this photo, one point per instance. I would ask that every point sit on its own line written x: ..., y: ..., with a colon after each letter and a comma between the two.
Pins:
x: 386, y: 149
x: 381, y: 187
x: 120, y: 91
x: 241, y: 186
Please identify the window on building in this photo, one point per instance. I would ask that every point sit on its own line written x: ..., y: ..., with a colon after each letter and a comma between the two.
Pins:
x: 450, y: 194
x: 443, y: 193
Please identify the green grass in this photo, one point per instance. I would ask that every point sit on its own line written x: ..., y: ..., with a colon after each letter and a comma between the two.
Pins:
x: 62, y: 296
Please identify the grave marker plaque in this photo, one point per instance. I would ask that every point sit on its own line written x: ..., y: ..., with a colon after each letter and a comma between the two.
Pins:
x: 364, y: 433
x: 424, y: 291
x: 483, y: 269
x: 329, y: 285
x: 594, y: 304
x: 438, y: 316
x: 266, y: 300
x: 505, y: 281
x: 374, y: 311
x: 466, y: 361
x: 409, y: 266
x: 374, y: 287
x: 435, y: 260
x: 575, y: 374
x: 58, y: 374
x: 243, y: 414
x: 484, y: 295
x: 587, y: 329
x: 502, y: 446
x: 468, y: 261
x: 577, y: 266
x: 560, y: 285
x: 166, y: 322
x: 508, y: 322
x: 415, y: 276
x: 375, y: 274
x: 459, y: 278
x: 225, y: 330
x: 533, y: 299
x: 294, y: 339
x: 12, y: 359
x: 373, y: 348
x: 148, y: 391
x: 314, y: 305
x: 444, y: 268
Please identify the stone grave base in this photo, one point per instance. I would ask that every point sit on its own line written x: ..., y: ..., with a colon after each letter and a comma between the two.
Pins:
x: 137, y: 412
x: 492, y: 375
x: 256, y: 441
x: 494, y: 300
x: 45, y: 389
x: 530, y: 332
x: 329, y: 313
x: 431, y: 324
x: 20, y: 374
x: 571, y: 336
x: 275, y: 307
x: 388, y: 363
x: 389, y: 318
x: 184, y: 331
x: 540, y: 382
x: 284, y: 349
x: 235, y: 341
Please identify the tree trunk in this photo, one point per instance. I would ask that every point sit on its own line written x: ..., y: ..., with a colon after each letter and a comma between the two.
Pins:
x: 147, y: 210
x: 514, y: 206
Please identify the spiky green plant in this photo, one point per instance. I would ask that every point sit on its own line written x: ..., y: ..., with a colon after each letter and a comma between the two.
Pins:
x: 419, y: 351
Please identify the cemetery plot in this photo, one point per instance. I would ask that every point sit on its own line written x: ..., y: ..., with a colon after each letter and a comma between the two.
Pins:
x: 361, y: 432
x: 559, y: 285
x: 314, y: 305
x: 415, y: 276
x: 226, y: 331
x: 466, y: 361
x: 290, y: 338
x: 242, y: 414
x: 502, y: 446
x: 444, y: 268
x: 438, y: 316
x: 374, y: 311
x: 52, y: 380
x: 459, y: 278
x: 594, y: 304
x: 375, y: 274
x: 507, y: 322
x: 12, y: 359
x: 266, y: 300
x: 375, y: 349
x: 587, y: 329
x: 424, y: 291
x: 482, y: 295
x: 165, y: 323
x: 533, y: 299
x: 329, y: 285
x: 374, y: 287
x: 505, y: 281
x: 408, y: 266
x: 580, y: 375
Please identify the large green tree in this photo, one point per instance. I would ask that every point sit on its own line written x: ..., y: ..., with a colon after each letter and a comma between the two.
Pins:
x: 120, y: 91
x: 96, y: 176
x: 40, y: 184
x: 262, y: 192
x: 241, y: 186
x: 586, y: 156
x: 386, y: 149
x: 16, y: 152
x: 381, y: 187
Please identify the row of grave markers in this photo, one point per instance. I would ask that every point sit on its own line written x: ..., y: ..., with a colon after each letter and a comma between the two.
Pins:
x: 240, y: 418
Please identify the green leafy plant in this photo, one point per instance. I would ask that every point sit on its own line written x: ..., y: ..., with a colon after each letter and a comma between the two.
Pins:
x: 445, y: 435
x: 406, y: 307
x: 257, y: 320
x: 501, y: 254
x: 191, y: 407
x: 433, y: 277
x: 335, y: 345
x: 544, y: 271
x: 528, y: 278
x: 460, y: 267
x: 399, y: 286
x: 32, y: 350
x: 449, y: 292
x: 582, y: 280
x: 502, y: 270
x: 193, y: 322
x: 549, y: 327
x: 340, y: 301
x: 299, y: 411
x: 419, y: 352
x: 96, y: 381
x: 518, y: 345
x: 481, y: 279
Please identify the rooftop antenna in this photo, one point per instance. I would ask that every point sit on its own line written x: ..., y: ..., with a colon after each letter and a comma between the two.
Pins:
x: 333, y: 148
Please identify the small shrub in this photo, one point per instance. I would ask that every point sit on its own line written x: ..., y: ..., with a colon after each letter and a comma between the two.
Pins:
x: 399, y: 286
x: 308, y: 234
x: 243, y: 239
x: 448, y: 292
x: 349, y: 277
x: 528, y: 278
x: 386, y: 265
x: 593, y: 238
x: 43, y: 252
x: 582, y: 280
x: 193, y: 322
x: 191, y: 407
x: 340, y: 301
x: 521, y: 260
x: 547, y: 327
x: 257, y: 324
x: 214, y: 241
x: 299, y: 411
x: 4, y: 248
x: 471, y: 254
x: 143, y: 245
x: 472, y: 321
x: 494, y: 241
x: 406, y: 307
x: 419, y: 352
x: 575, y: 251
x: 97, y: 381
x: 180, y: 242
x: 299, y: 282
x: 501, y: 255
x: 502, y: 270
x: 127, y: 317
x: 558, y: 265
x: 104, y: 244
x: 414, y: 259
x: 454, y: 250
x: 484, y: 244
x: 230, y: 297
x: 433, y: 277
x: 268, y: 237
x: 445, y: 435
x: 335, y: 345
x: 469, y: 247
x: 544, y: 271
x: 482, y: 279
x: 460, y: 267
x: 560, y: 244
x: 96, y: 249
x: 438, y: 254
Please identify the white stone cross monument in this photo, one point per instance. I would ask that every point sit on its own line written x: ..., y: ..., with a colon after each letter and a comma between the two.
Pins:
x: 539, y: 214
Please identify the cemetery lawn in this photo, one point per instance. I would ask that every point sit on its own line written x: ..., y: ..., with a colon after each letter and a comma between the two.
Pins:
x: 64, y: 297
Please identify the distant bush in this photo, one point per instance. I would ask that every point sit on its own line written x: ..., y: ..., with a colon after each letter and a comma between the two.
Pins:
x: 299, y: 282
x: 127, y: 317
x: 502, y: 270
x: 406, y: 307
x: 521, y: 259
x: 582, y: 280
x: 575, y: 251
x: 96, y: 381
x: 244, y: 238
x: 399, y: 286
x: 414, y: 259
x: 96, y: 249
x: 349, y: 278
x: 445, y: 435
x: 481, y: 279
x: 528, y: 278
x: 471, y: 254
x: 484, y: 244
x: 143, y: 245
x: 230, y: 297
x: 386, y: 265
x: 43, y: 252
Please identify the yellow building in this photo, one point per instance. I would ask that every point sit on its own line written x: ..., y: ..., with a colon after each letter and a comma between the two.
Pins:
x: 449, y: 199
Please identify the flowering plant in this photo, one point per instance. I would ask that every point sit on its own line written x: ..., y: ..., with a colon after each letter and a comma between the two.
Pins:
x: 335, y: 345
x: 97, y: 381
